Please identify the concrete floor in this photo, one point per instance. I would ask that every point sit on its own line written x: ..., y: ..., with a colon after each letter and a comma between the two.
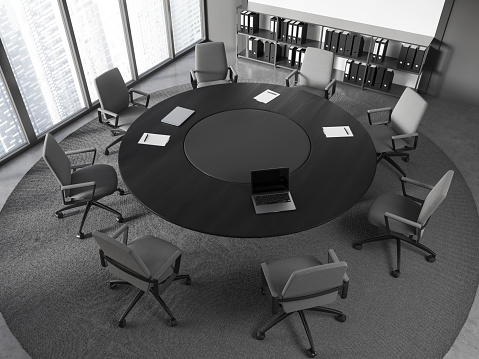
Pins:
x: 453, y: 127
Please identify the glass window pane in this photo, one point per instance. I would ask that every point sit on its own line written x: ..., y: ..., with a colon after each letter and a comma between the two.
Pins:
x: 36, y: 44
x: 100, y: 38
x: 11, y: 132
x: 148, y: 31
x: 186, y: 21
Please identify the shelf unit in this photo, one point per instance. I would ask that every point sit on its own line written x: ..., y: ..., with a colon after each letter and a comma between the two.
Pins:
x: 316, y: 33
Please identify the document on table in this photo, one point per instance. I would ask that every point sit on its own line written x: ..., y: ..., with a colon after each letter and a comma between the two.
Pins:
x: 177, y: 116
x: 154, y: 139
x: 338, y: 131
x: 266, y: 96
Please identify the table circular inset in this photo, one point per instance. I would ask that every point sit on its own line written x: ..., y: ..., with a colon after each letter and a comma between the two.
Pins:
x: 200, y: 179
x: 230, y: 144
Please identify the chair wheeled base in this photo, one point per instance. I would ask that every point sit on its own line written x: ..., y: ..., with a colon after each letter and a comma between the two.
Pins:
x: 387, y: 156
x: 311, y: 352
x: 173, y: 322
x: 396, y: 273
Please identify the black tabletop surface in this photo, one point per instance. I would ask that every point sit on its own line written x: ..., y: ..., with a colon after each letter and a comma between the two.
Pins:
x: 324, y: 183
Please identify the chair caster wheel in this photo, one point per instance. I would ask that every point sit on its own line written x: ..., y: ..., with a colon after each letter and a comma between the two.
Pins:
x: 259, y: 335
x: 121, y: 192
x: 188, y: 281
x: 80, y: 235
x: 106, y: 152
x: 262, y: 291
x: 173, y: 322
x: 122, y: 323
x: 395, y: 273
x: 119, y: 219
x: 59, y: 214
x: 112, y: 285
x: 341, y: 318
x: 357, y: 246
x: 431, y: 258
x: 405, y: 159
x: 311, y: 353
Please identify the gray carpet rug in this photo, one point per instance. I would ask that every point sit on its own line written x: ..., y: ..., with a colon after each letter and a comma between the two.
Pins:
x: 56, y: 300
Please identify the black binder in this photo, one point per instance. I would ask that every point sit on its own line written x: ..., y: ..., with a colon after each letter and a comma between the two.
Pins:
x: 302, y: 31
x: 383, y: 46
x: 294, y: 33
x: 361, y: 73
x: 347, y: 70
x: 387, y: 80
x: 358, y: 46
x: 284, y: 29
x: 327, y: 40
x: 354, y: 72
x: 250, y: 47
x: 274, y: 52
x: 411, y: 54
x: 371, y: 76
x: 273, y: 27
x: 342, y: 42
x: 267, y: 48
x: 253, y: 23
x: 418, y: 60
x: 258, y: 48
x: 402, y: 56
x: 290, y: 31
x: 242, y: 21
x: 299, y: 56
x: 291, y: 56
x: 378, y: 80
x: 335, y: 40
x: 374, y: 54
x: 348, y: 48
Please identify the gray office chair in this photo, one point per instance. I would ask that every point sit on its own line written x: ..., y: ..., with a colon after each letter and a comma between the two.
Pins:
x: 148, y: 263
x: 115, y: 99
x: 397, y: 134
x: 405, y: 217
x: 304, y: 283
x: 211, y: 67
x: 315, y: 75
x: 81, y: 185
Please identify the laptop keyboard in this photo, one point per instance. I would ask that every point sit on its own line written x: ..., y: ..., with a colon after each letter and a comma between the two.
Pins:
x: 271, y: 198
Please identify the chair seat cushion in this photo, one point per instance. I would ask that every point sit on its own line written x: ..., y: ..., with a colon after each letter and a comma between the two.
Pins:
x: 154, y: 252
x: 210, y: 83
x: 281, y: 270
x: 103, y: 175
x: 313, y: 90
x: 381, y: 136
x: 128, y: 116
x: 398, y: 205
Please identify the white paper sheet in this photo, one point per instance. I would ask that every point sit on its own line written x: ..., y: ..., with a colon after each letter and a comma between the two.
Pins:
x: 266, y: 96
x: 154, y: 139
x: 338, y: 131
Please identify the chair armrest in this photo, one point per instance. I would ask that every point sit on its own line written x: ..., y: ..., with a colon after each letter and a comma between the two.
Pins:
x: 295, y: 74
x: 405, y: 180
x: 77, y: 185
x: 408, y: 135
x: 122, y: 230
x: 332, y: 86
x: 383, y: 109
x: 108, y: 113
x: 272, y: 291
x: 233, y: 75
x: 167, y: 264
x: 193, y: 80
x: 333, y: 258
x: 86, y: 150
x: 131, y: 91
x: 394, y: 217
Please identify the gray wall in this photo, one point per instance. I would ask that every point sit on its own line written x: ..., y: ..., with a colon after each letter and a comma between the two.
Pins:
x: 457, y: 78
x: 458, y: 72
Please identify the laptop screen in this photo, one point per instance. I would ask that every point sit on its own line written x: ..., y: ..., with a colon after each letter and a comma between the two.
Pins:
x: 270, y: 180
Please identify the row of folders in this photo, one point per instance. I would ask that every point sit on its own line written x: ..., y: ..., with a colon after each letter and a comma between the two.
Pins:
x: 373, y: 76
x: 270, y: 51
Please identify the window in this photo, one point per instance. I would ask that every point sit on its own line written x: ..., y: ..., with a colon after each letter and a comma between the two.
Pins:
x: 36, y: 45
x: 149, y: 33
x: 186, y: 21
x: 11, y: 132
x: 100, y: 38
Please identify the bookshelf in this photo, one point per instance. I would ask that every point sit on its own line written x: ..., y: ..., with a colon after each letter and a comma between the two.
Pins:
x: 398, y: 76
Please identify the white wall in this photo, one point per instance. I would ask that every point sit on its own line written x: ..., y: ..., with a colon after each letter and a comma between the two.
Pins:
x: 415, y: 16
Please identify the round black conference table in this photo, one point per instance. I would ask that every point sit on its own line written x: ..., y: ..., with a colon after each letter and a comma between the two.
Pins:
x: 201, y: 179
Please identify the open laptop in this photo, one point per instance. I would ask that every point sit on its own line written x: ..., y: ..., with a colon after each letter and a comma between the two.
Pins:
x: 270, y: 190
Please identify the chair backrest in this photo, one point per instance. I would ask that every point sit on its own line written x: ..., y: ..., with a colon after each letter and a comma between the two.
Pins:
x: 435, y: 197
x: 408, y: 112
x: 124, y: 255
x: 57, y: 160
x: 210, y: 61
x: 313, y: 280
x: 317, y: 68
x: 112, y: 91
